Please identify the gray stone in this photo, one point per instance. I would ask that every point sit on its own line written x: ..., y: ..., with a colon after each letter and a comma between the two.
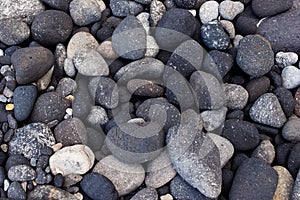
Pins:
x: 123, y: 8
x: 267, y: 110
x: 132, y: 175
x: 20, y: 9
x: 76, y: 159
x: 58, y: 4
x: 213, y: 119
x: 255, y: 56
x: 152, y: 47
x: 66, y: 86
x: 96, y: 139
x: 21, y: 173
x: 107, y: 93
x: 48, y: 192
x: 209, y: 11
x: 30, y: 139
x: 264, y: 151
x: 236, y: 96
x: 196, y: 158
x: 284, y: 59
x: 144, y: 19
x: 229, y: 28
x: 69, y: 67
x: 24, y: 99
x: 13, y: 31
x: 15, y: 191
x: 107, y: 51
x: 230, y: 9
x: 266, y: 8
x: 146, y: 194
x: 90, y: 63
x: 290, y: 77
x: 285, y: 184
x: 129, y: 39
x: 84, y: 12
x: 97, y: 116
x: 157, y: 10
x: 291, y: 129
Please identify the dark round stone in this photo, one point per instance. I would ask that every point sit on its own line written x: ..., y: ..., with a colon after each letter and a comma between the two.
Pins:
x: 24, y: 99
x: 31, y: 63
x: 43, y: 162
x: 245, y: 25
x: 293, y: 162
x: 214, y: 36
x: 242, y: 134
x: 235, y: 114
x: 266, y: 8
x: 107, y: 94
x: 2, y: 176
x: 282, y: 153
x: 188, y: 4
x: 104, y: 33
x: 254, y: 179
x: 51, y: 27
x: 257, y: 87
x: 48, y: 107
x: 15, y: 191
x: 58, y: 4
x: 98, y: 187
x: 41, y: 178
x: 286, y: 100
x: 227, y: 178
x: 175, y: 26
x: 3, y: 158
x: 59, y: 180
x: 275, y: 78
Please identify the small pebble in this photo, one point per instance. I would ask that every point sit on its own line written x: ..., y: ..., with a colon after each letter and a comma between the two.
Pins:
x: 285, y: 184
x: 21, y: 173
x: 236, y: 96
x: 230, y: 9
x: 264, y: 151
x: 123, y: 8
x: 209, y: 11
x: 15, y: 191
x: 284, y: 59
x: 290, y: 77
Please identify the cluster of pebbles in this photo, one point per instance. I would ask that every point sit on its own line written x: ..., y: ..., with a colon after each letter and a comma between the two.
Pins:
x: 149, y: 99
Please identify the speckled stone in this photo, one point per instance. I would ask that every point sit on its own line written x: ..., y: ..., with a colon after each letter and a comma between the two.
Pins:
x: 285, y: 184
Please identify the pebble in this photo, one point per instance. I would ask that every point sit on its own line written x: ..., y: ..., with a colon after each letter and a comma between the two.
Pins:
x: 123, y: 8
x: 143, y: 17
x: 267, y: 110
x: 58, y: 4
x: 84, y: 12
x: 180, y: 189
x: 13, y: 32
x: 159, y: 171
x: 286, y: 100
x: 229, y: 28
x: 297, y: 102
x: 254, y: 175
x: 188, y: 4
x: 209, y: 11
x: 226, y: 149
x: 236, y: 40
x: 31, y: 63
x: 282, y: 152
x: 48, y: 107
x: 81, y: 42
x: 66, y: 86
x: 129, y: 39
x: 11, y: 9
x: 152, y: 47
x: 255, y: 56
x: 285, y: 184
x: 146, y: 193
x: 41, y: 178
x: 213, y: 119
x: 2, y: 176
x: 274, y: 30
x: 196, y: 158
x: 264, y: 151
x: 257, y: 87
x: 71, y: 131
x: 236, y: 96
x: 284, y: 59
x: 62, y: 161
x: 107, y: 51
x: 99, y: 187
x: 48, y: 192
x: 29, y: 140
x: 132, y: 175
x: 290, y: 77
x: 44, y: 81
x: 145, y: 88
x: 106, y: 94
x: 21, y: 173
x: 290, y: 130
x: 293, y: 161
x: 208, y: 91
x: 15, y: 191
x: 242, y: 134
x: 266, y: 8
x: 15, y: 159
x: 157, y: 10
x: 296, y: 190
x: 97, y: 116
x: 174, y: 21
x: 230, y: 9
x: 95, y: 139
x: 51, y: 27
x: 69, y: 67
x: 214, y: 36
x: 90, y: 63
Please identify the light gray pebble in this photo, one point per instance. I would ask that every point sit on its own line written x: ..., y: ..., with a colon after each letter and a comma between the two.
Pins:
x: 144, y: 18
x: 60, y: 55
x: 229, y: 27
x: 107, y: 51
x: 84, y: 12
x: 209, y: 11
x: 66, y: 86
x: 264, y: 151
x: 290, y: 77
x: 236, y: 40
x: 284, y: 59
x: 230, y: 9
x: 69, y: 67
x: 123, y: 8
x: 236, y: 96
x: 13, y: 32
x: 21, y: 173
x: 152, y: 47
x: 97, y: 116
x: 146, y: 193
x: 8, y: 93
x: 213, y: 119
x: 291, y: 129
x: 157, y: 10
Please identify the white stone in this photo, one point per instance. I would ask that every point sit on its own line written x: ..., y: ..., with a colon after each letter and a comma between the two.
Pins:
x: 290, y: 77
x: 97, y: 116
x: 230, y: 9
x: 76, y: 159
x: 284, y: 59
x: 209, y: 11
x: 152, y: 47
x: 69, y: 67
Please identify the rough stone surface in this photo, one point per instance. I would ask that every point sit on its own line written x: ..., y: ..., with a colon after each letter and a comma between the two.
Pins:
x: 146, y: 193
x: 296, y: 188
x: 107, y: 93
x: 267, y: 110
x: 230, y: 9
x: 21, y: 173
x: 213, y: 119
x: 49, y: 192
x: 62, y: 161
x: 132, y: 175
x: 284, y: 59
x: 266, y: 8
x: 13, y: 32
x: 24, y: 99
x: 157, y: 10
x: 264, y: 151
x: 286, y: 100
x: 285, y: 184
x: 257, y: 87
x: 58, y: 4
x: 123, y: 8
x: 15, y: 191
x: 290, y: 77
x: 236, y: 96
x: 209, y: 11
x: 290, y: 130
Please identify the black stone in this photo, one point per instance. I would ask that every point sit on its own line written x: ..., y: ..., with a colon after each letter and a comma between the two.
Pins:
x: 257, y: 87
x: 107, y: 93
x: 282, y: 153
x: 58, y: 4
x: 59, y: 180
x: 286, y: 100
x: 15, y: 191
x: 293, y: 162
x: 3, y: 158
x: 254, y: 179
x: 245, y: 25
x: 188, y: 4
x: 275, y: 78
x: 104, y: 33
x: 14, y: 160
x: 235, y: 114
x: 98, y: 187
x: 43, y: 162
x: 266, y: 8
x: 242, y: 134
x: 227, y: 178
x: 24, y: 99
x: 2, y: 176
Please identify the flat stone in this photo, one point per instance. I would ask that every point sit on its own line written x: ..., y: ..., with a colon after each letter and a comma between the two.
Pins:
x: 132, y: 175
x: 13, y: 32
x: 49, y: 191
x: 209, y: 11
x: 264, y: 151
x: 31, y: 63
x: 290, y: 77
x: 236, y: 96
x: 21, y: 173
x: 29, y: 140
x: 267, y: 110
x: 285, y: 184
x: 255, y: 56
x: 266, y: 8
